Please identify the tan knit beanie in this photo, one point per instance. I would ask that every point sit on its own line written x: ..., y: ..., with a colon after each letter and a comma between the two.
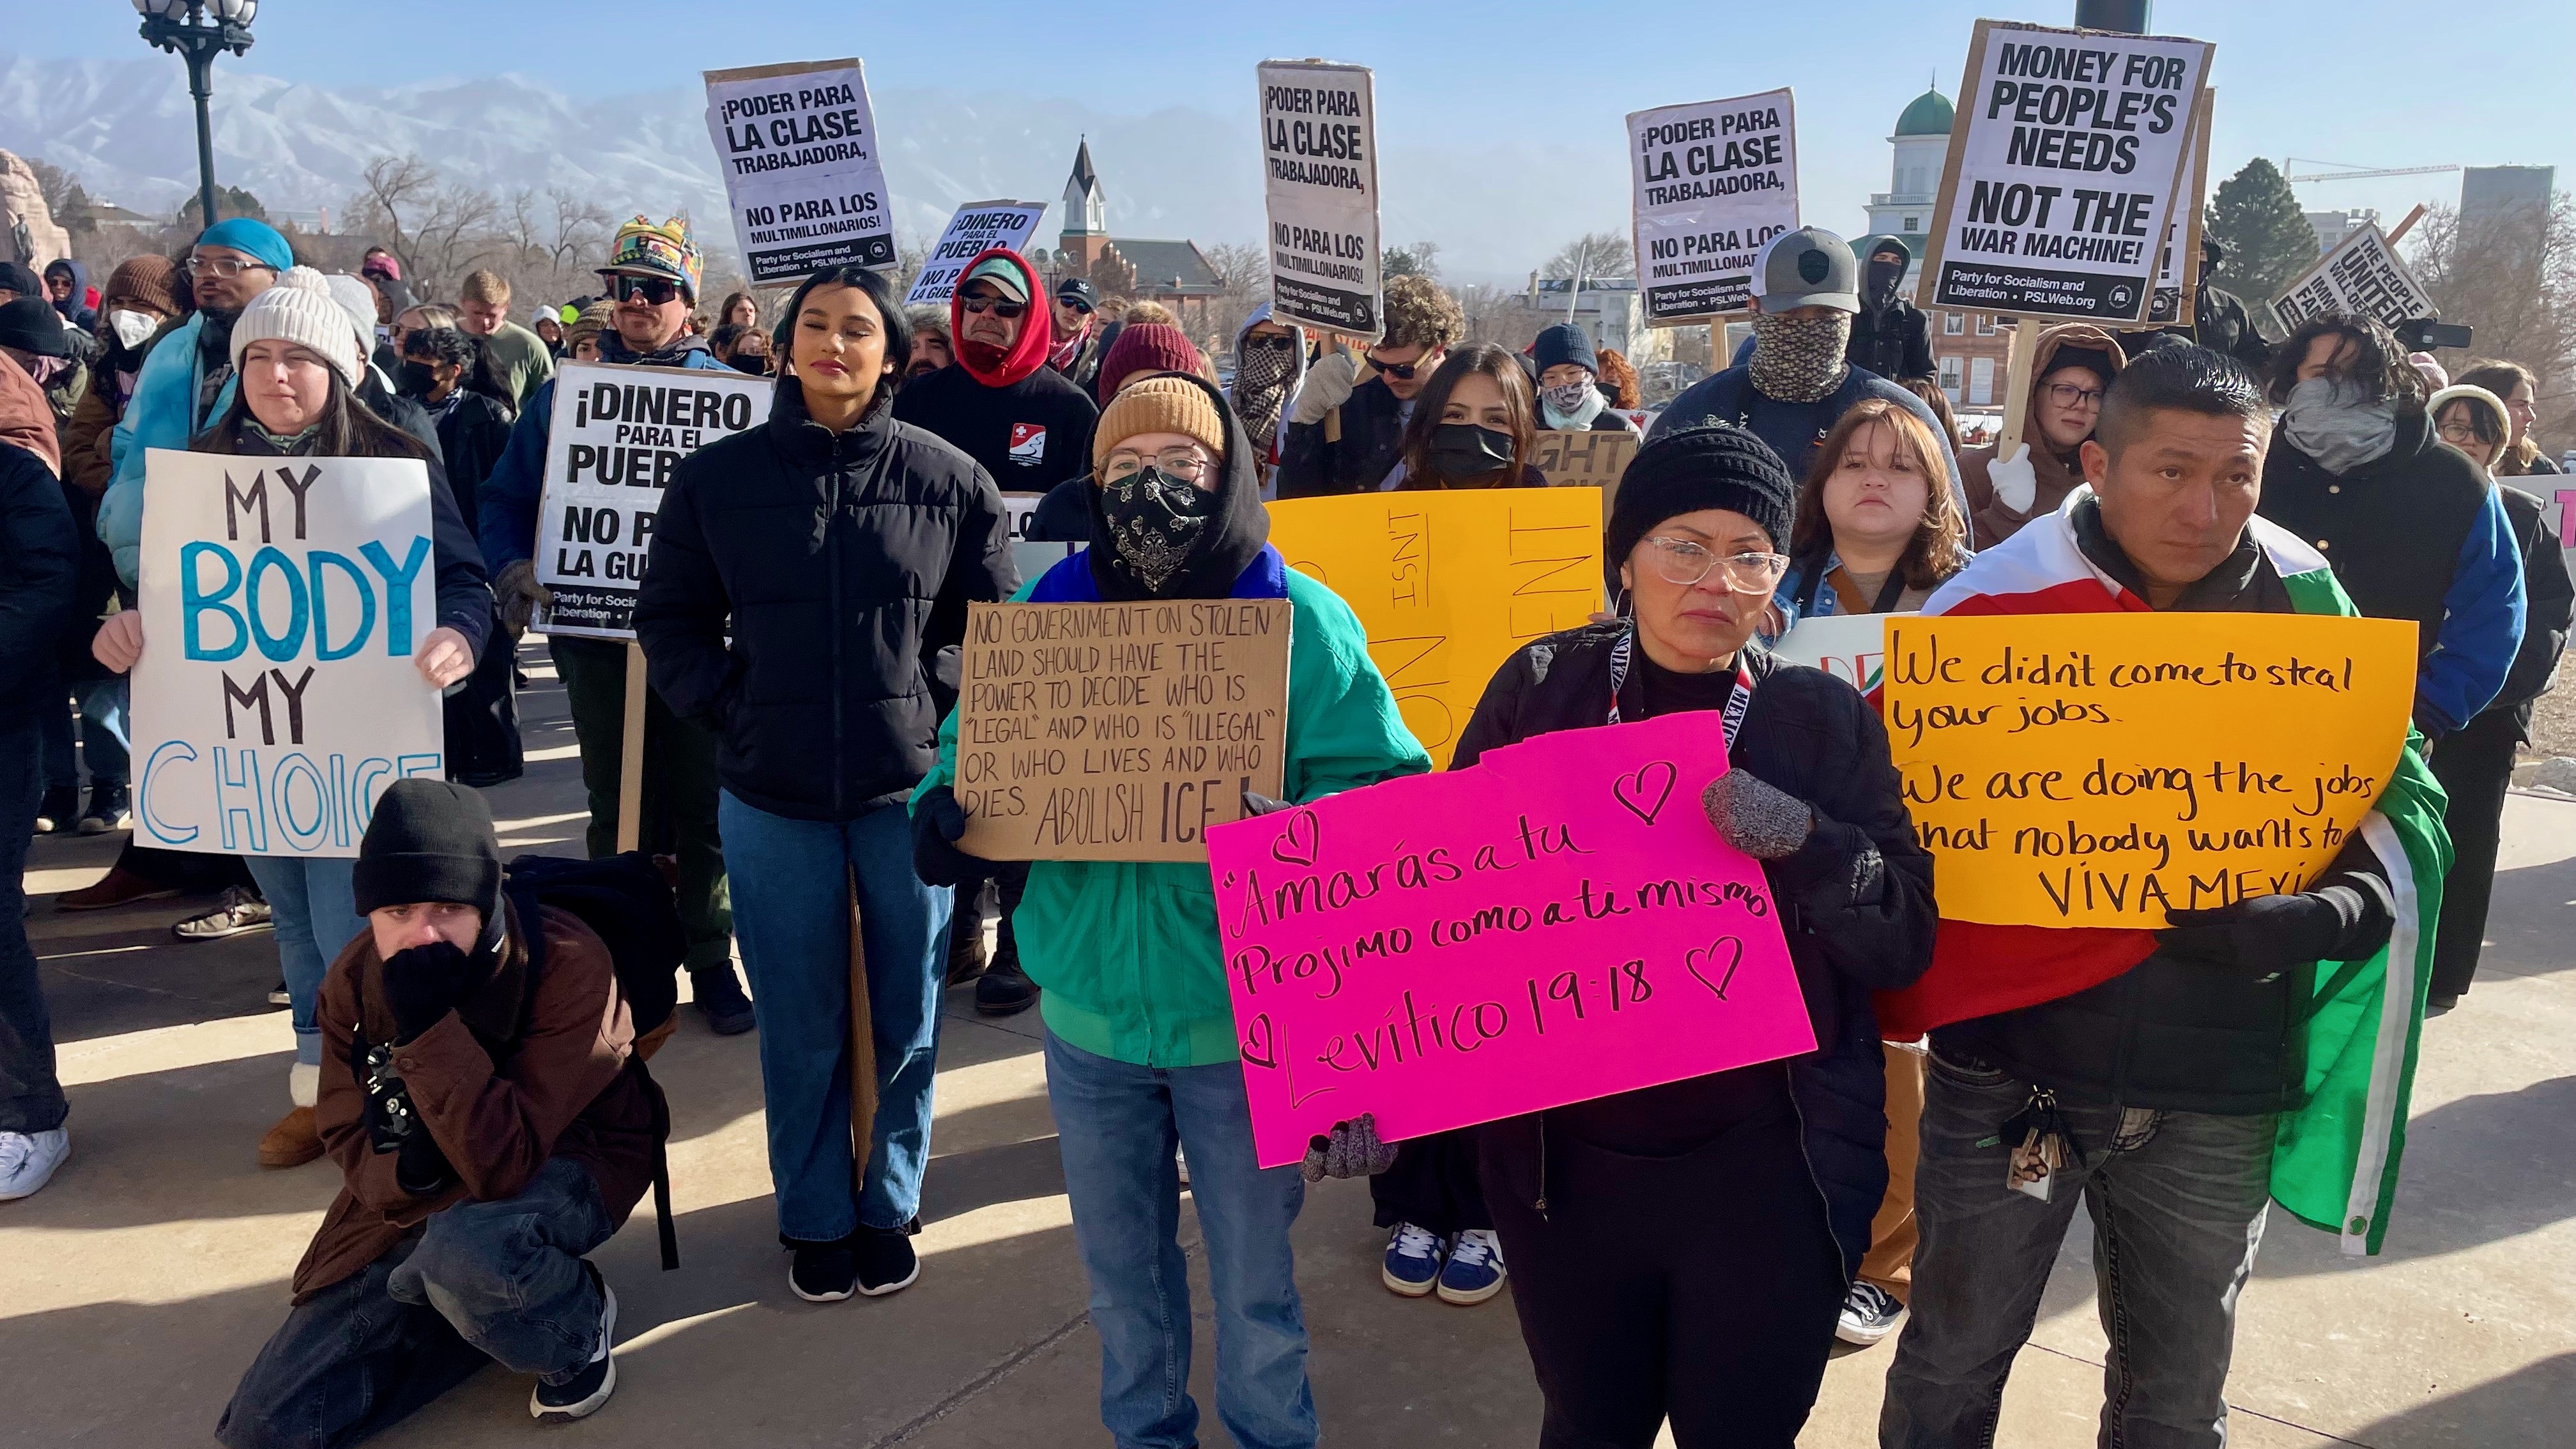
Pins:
x: 301, y: 310
x: 1165, y: 403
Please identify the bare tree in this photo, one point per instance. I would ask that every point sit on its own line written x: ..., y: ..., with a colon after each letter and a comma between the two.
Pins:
x: 1244, y: 267
x: 1595, y: 254
x: 2513, y: 279
x: 1499, y: 315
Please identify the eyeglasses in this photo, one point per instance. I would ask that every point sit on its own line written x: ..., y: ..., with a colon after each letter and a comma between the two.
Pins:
x: 2068, y: 395
x: 1680, y: 561
x: 995, y: 305
x: 223, y: 269
x: 1400, y: 371
x: 1185, y: 463
x: 2460, y: 434
x: 653, y: 290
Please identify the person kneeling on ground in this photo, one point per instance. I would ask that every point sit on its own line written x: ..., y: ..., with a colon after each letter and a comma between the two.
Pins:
x: 475, y: 1094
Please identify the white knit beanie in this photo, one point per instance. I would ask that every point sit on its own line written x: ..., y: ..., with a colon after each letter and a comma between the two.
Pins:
x: 300, y: 309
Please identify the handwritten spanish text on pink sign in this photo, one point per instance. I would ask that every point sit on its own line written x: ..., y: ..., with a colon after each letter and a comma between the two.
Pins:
x: 1558, y: 923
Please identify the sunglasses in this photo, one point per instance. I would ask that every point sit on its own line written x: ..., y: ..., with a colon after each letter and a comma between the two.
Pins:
x: 646, y: 289
x: 995, y: 305
x: 1400, y: 371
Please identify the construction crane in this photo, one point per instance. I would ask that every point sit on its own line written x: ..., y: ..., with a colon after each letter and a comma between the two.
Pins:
x: 2354, y: 173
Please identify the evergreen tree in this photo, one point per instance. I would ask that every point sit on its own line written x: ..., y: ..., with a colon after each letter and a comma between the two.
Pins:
x: 2256, y: 217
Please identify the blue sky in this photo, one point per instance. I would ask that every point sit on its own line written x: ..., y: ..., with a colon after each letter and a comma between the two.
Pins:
x: 2369, y: 82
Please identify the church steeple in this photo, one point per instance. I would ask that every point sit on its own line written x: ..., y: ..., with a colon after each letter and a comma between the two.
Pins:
x: 1085, y: 210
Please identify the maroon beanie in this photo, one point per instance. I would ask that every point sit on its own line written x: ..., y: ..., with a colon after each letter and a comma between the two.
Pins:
x: 1146, y: 347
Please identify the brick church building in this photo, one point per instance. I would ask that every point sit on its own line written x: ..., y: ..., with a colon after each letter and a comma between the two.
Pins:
x: 1173, y: 273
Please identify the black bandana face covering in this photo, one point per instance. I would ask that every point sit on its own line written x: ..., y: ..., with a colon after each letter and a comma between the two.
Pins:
x: 1156, y: 522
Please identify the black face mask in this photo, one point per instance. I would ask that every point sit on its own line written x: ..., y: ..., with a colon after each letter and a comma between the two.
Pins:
x: 1156, y: 522
x: 1464, y: 450
x: 755, y: 364
x: 1884, y: 278
x: 414, y: 379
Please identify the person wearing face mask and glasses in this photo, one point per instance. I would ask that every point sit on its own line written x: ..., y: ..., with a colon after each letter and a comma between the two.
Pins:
x: 1346, y: 422
x: 1890, y: 335
x: 2413, y: 528
x: 1140, y: 1043
x: 1571, y: 395
x: 1472, y: 426
x: 1269, y: 363
x: 138, y: 306
x: 1794, y: 384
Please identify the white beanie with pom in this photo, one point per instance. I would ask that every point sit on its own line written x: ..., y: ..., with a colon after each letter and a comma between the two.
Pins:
x: 300, y: 309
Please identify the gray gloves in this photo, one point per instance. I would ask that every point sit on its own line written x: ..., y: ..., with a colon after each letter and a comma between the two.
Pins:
x: 1756, y: 818
x: 516, y: 594
x: 1350, y: 1150
x: 1327, y: 386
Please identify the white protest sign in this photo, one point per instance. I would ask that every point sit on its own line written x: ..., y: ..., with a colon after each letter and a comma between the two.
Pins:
x: 1319, y: 177
x: 284, y: 601
x: 2361, y: 275
x: 1033, y: 557
x: 1714, y: 181
x: 616, y: 434
x: 1850, y: 647
x: 2065, y: 168
x: 798, y: 147
x: 978, y: 227
x: 2178, y: 272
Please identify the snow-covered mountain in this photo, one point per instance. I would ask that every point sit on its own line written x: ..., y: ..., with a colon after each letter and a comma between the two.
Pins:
x: 126, y: 127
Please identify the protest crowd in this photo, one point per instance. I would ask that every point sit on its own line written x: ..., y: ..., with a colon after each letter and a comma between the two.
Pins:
x: 892, y: 549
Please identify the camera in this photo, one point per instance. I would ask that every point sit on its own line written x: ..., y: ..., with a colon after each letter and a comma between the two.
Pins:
x: 2424, y: 334
x: 390, y: 1117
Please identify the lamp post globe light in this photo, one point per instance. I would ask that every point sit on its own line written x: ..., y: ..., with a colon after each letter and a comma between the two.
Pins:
x: 197, y: 31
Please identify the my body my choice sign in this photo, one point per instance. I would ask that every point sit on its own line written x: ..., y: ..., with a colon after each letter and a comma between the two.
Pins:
x: 283, y: 602
x: 617, y: 433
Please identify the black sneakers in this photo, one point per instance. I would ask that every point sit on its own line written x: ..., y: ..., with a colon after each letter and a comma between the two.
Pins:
x: 583, y: 1395
x: 720, y: 1000
x: 871, y: 1261
x: 823, y: 1272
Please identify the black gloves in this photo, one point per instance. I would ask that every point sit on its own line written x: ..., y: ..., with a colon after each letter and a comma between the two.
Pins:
x: 422, y: 985
x: 1350, y: 1150
x: 2266, y: 935
x: 1259, y: 804
x: 938, y: 823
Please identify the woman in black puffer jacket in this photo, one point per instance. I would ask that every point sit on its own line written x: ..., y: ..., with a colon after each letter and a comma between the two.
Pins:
x: 1684, y: 1250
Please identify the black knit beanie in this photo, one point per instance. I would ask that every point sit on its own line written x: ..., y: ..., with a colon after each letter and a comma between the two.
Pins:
x: 430, y: 841
x: 1564, y: 342
x: 1707, y: 465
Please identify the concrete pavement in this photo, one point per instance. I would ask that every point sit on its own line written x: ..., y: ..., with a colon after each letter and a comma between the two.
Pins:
x: 135, y: 1289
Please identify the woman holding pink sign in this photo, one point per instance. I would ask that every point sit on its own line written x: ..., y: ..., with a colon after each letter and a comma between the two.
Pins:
x: 1682, y: 1251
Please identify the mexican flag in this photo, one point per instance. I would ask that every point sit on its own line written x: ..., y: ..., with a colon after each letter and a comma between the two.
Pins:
x: 2334, y: 1164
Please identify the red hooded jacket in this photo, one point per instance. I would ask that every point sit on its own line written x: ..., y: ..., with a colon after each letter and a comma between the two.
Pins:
x: 1037, y: 328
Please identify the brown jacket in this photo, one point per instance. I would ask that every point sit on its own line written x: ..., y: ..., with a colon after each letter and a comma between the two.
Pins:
x: 88, y: 436
x: 1990, y: 522
x: 522, y: 1072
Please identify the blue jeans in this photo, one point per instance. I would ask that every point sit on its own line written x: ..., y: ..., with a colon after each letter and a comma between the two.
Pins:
x: 313, y: 902
x: 102, y: 735
x: 791, y: 911
x: 31, y: 1096
x: 2177, y: 1200
x: 1116, y: 1124
x: 481, y: 1282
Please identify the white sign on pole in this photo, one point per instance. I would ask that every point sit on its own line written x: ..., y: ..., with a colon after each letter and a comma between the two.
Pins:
x: 1319, y: 176
x: 284, y: 601
x: 1033, y: 557
x: 2178, y: 273
x: 1850, y: 647
x: 978, y: 227
x: 2065, y: 168
x: 1714, y: 181
x: 2361, y: 275
x: 616, y: 434
x: 802, y: 175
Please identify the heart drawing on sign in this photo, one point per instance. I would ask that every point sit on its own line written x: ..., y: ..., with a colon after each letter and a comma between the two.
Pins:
x: 1703, y: 962
x: 1301, y: 842
x: 1644, y: 792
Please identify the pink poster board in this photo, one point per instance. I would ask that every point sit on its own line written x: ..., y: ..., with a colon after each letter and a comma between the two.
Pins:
x: 1558, y: 923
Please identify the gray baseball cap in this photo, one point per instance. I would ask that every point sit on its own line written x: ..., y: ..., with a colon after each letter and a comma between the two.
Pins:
x: 1809, y: 267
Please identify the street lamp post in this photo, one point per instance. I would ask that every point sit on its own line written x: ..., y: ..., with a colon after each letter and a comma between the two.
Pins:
x: 197, y: 31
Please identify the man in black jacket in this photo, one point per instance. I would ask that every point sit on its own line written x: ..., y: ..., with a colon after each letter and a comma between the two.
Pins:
x: 1346, y: 424
x: 1891, y: 336
x: 38, y: 562
x: 2219, y: 320
x: 999, y: 403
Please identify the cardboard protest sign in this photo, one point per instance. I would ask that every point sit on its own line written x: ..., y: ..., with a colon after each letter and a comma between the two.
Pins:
x: 1713, y: 180
x: 2065, y: 169
x: 1118, y: 731
x: 1034, y: 558
x: 2178, y: 270
x: 978, y: 227
x: 283, y: 602
x: 1850, y: 647
x: 1449, y: 584
x: 1559, y: 923
x: 617, y: 433
x: 1319, y: 178
x: 2361, y: 275
x: 802, y: 173
x: 2100, y: 769
x: 1585, y: 460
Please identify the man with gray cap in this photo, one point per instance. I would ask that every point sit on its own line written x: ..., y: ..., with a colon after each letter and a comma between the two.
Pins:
x: 1795, y: 382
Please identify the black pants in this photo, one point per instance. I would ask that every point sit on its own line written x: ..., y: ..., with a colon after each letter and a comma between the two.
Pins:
x: 2475, y: 766
x: 31, y: 1096
x: 482, y: 719
x: 1703, y: 1288
x: 1433, y: 1185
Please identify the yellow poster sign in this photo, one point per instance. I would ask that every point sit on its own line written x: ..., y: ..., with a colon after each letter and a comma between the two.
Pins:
x: 1449, y: 584
x: 2101, y: 769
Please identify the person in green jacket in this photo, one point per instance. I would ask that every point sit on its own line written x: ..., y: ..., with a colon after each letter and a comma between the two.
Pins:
x: 1141, y: 1049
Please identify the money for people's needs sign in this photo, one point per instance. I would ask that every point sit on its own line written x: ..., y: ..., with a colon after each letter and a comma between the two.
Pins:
x: 1118, y: 731
x: 1449, y: 584
x: 2066, y: 166
x: 1850, y: 647
x: 617, y: 434
x: 2101, y: 769
x: 1714, y: 180
x: 2361, y: 275
x: 978, y: 227
x: 803, y: 177
x: 284, y: 601
x: 1556, y: 924
x: 1319, y: 178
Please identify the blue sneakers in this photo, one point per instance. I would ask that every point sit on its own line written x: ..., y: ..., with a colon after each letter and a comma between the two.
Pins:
x: 1475, y: 1270
x: 1412, y: 1261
